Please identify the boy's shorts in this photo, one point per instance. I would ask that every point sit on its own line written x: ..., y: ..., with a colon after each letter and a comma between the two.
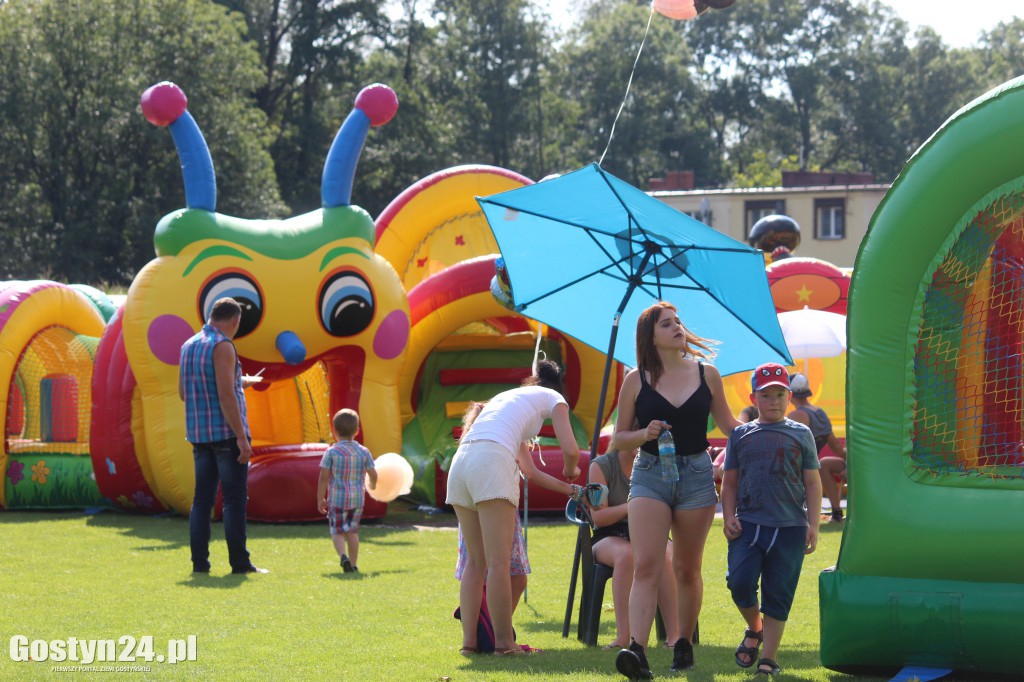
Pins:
x: 695, y: 488
x: 776, y: 556
x: 344, y: 520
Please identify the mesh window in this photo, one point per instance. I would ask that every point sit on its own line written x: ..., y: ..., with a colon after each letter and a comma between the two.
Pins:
x: 969, y: 400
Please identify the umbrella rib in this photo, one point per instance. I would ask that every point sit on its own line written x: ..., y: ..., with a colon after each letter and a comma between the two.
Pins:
x: 523, y: 306
x: 700, y: 287
x: 547, y: 217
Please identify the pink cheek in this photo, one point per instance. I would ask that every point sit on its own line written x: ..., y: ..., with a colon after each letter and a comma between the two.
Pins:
x: 392, y: 335
x: 166, y: 334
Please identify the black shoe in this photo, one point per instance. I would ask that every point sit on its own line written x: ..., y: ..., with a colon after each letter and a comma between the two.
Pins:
x: 346, y: 564
x: 682, y: 655
x: 248, y: 569
x: 632, y: 663
x: 200, y: 570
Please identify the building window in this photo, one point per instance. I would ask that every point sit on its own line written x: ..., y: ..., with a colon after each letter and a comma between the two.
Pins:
x: 829, y: 218
x: 755, y: 210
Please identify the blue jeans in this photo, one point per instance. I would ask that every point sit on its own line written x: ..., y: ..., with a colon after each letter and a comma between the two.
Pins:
x: 218, y: 462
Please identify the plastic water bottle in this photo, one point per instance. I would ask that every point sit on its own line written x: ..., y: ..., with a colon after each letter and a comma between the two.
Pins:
x: 667, y: 456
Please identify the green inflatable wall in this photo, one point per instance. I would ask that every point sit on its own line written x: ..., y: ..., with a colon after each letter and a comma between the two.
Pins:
x: 931, y: 567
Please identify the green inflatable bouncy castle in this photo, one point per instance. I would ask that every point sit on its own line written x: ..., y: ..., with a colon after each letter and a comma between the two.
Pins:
x: 931, y: 568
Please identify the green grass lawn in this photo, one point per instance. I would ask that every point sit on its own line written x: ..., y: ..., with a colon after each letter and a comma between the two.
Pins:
x: 110, y: 575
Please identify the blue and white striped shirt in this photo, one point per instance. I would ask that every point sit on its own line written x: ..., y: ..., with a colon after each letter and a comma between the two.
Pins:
x: 204, y: 420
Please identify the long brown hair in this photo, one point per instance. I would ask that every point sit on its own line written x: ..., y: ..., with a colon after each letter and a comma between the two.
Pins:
x: 647, y: 358
x: 472, y: 412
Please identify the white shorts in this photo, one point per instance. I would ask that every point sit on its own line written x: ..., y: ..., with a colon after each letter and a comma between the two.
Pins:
x: 482, y: 470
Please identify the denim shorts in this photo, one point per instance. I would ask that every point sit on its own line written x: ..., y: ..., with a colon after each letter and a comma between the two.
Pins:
x: 773, y: 555
x: 695, y: 488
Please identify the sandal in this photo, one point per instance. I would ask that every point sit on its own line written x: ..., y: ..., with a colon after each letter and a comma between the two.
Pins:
x: 749, y: 651
x: 468, y: 650
x: 773, y: 668
x: 518, y: 651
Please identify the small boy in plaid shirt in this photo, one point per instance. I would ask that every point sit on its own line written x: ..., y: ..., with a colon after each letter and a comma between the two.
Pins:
x: 345, y: 464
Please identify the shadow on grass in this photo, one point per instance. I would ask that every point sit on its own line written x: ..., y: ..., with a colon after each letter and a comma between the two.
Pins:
x: 170, y: 530
x: 575, y: 663
x: 202, y: 581
x: 361, y: 575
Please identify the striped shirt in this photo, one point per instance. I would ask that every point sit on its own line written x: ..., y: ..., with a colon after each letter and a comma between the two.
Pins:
x: 348, y: 462
x: 204, y: 420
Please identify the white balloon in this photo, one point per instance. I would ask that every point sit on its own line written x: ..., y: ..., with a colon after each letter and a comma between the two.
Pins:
x: 394, y: 477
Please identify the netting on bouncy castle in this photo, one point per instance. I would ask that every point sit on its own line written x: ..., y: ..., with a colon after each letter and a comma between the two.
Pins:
x: 969, y: 365
x: 47, y: 422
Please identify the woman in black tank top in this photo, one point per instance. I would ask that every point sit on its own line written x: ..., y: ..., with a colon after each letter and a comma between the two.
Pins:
x: 670, y: 389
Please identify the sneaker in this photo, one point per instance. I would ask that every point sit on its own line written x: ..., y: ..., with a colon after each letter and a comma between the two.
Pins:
x: 346, y: 564
x: 249, y: 569
x: 682, y: 655
x: 632, y: 663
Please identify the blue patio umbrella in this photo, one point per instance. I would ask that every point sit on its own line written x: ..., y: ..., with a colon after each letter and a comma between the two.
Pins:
x: 586, y: 250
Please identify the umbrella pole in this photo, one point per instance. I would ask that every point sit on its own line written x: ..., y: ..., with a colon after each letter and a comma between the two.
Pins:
x: 611, y: 352
x: 633, y: 281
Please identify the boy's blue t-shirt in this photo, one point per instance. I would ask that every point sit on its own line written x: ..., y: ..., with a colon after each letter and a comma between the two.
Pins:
x: 770, y: 459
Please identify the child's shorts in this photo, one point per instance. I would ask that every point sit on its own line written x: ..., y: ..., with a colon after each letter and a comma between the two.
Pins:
x: 695, y: 488
x: 776, y: 556
x: 482, y: 470
x: 520, y: 562
x: 344, y: 520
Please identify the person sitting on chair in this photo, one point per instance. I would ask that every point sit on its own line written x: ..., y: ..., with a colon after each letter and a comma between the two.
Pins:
x: 821, y: 428
x: 612, y: 547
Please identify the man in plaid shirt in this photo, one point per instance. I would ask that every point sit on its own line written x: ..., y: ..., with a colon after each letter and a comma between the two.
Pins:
x: 344, y: 465
x: 210, y: 382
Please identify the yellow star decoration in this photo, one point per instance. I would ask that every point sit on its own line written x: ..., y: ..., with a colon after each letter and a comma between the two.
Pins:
x: 803, y: 294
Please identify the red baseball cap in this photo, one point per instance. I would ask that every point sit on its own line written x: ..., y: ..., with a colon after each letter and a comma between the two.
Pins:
x: 769, y: 374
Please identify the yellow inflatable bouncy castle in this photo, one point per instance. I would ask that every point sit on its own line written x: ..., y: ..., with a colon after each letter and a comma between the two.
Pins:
x: 48, y: 338
x: 393, y: 318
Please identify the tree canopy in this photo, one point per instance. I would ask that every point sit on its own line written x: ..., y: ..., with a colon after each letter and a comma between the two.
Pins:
x: 734, y: 95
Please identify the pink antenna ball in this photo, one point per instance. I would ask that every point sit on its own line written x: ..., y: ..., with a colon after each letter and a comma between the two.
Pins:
x: 378, y: 102
x: 163, y: 103
x: 675, y: 9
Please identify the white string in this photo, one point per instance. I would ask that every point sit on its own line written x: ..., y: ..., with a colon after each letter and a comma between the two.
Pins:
x: 537, y: 352
x: 629, y: 83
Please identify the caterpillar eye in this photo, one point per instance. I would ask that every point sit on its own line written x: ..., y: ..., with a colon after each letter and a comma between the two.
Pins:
x: 346, y: 304
x: 240, y: 287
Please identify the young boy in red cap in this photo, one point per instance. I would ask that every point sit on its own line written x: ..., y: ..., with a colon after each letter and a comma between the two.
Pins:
x: 771, y: 501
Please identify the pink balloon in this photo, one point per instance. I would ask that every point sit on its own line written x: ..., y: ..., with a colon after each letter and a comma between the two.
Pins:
x: 675, y: 9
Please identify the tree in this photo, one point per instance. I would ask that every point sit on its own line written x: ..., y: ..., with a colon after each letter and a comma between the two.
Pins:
x: 83, y: 178
x: 659, y: 128
x: 487, y: 64
x: 310, y: 52
x: 1002, y: 51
